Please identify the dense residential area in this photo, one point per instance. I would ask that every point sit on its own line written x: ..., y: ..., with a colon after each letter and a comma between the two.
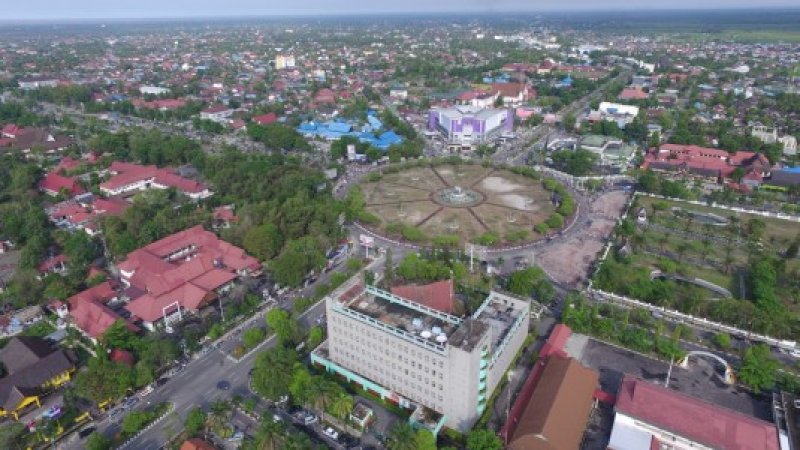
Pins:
x: 478, y: 231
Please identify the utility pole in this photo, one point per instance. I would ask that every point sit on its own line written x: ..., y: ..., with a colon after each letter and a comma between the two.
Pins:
x: 669, y: 372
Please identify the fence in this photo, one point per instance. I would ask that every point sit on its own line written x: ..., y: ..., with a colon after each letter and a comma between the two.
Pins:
x: 597, y: 294
x: 737, y: 209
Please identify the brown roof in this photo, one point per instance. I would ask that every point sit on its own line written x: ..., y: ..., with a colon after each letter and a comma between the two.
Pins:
x: 30, y: 362
x: 556, y: 416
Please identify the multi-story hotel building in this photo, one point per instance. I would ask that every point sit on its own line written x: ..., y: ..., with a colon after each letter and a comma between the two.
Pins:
x: 443, y: 366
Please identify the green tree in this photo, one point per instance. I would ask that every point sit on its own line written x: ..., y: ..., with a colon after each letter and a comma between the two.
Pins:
x: 272, y: 372
x: 269, y: 434
x: 12, y: 436
x: 425, y: 440
x: 722, y: 340
x: 759, y: 368
x: 341, y: 406
x: 315, y: 337
x: 283, y: 324
x: 96, y: 441
x: 135, y: 421
x: 263, y: 242
x: 483, y: 440
x: 253, y: 337
x: 195, y: 421
x: 531, y: 281
x: 401, y: 437
x: 569, y: 122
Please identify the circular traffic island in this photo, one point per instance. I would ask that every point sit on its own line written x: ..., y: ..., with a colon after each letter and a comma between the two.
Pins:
x: 455, y: 204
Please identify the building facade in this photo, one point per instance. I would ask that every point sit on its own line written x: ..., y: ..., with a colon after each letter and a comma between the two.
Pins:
x: 464, y: 127
x: 444, y: 367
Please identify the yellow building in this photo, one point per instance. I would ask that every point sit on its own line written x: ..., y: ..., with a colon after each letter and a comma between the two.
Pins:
x: 32, y: 368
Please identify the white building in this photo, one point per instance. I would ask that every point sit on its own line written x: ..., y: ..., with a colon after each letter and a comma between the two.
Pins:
x: 441, y: 366
x: 463, y: 127
x: 770, y: 136
x: 649, y: 416
x: 217, y: 113
x: 284, y: 62
x: 153, y: 90
x: 32, y: 83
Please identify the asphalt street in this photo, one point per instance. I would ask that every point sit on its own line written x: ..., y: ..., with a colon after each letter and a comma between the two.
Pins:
x: 195, y: 386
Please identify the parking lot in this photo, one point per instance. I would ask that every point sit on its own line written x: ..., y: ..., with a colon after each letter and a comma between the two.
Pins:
x: 699, y: 380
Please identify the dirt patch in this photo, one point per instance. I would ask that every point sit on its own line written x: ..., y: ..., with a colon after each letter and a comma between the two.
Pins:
x: 499, y: 184
x: 569, y: 260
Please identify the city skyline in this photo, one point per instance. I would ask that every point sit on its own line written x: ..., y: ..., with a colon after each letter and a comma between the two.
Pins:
x: 41, y: 10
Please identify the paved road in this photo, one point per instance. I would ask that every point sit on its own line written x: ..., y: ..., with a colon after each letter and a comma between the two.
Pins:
x: 196, y: 386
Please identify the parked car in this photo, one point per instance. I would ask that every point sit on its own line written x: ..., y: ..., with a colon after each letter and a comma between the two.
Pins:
x: 276, y: 418
x: 130, y: 402
x: 308, y: 419
x: 331, y: 433
x: 161, y: 381
x: 84, y: 433
x: 146, y: 391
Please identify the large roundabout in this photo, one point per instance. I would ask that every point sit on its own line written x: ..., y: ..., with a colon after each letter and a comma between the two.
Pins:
x: 466, y: 202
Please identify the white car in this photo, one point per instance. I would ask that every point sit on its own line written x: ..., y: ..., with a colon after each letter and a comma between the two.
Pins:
x: 146, y: 391
x: 331, y: 433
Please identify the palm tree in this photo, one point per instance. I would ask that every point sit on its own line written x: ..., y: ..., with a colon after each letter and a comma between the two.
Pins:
x: 706, y: 243
x: 297, y: 441
x: 269, y: 435
x: 682, y: 248
x: 729, y: 260
x: 663, y: 241
x: 341, y: 406
x: 401, y: 437
x: 218, y: 416
x: 321, y: 392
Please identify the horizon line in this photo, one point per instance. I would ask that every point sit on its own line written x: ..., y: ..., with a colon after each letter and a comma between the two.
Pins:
x: 396, y: 13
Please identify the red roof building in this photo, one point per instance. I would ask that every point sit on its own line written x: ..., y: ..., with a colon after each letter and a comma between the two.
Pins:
x: 649, y: 416
x: 129, y: 177
x: 325, y: 96
x: 54, y: 264
x: 122, y: 357
x: 185, y: 270
x: 705, y: 162
x: 438, y: 295
x: 266, y: 119
x: 83, y: 216
x: 633, y: 93
x: 90, y: 313
x: 53, y: 184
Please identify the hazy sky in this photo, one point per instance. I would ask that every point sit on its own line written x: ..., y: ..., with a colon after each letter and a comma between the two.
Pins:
x: 82, y: 9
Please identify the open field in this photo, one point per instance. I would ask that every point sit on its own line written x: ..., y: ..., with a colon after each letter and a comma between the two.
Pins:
x: 504, y: 204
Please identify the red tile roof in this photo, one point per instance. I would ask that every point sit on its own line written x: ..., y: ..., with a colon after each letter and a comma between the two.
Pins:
x: 53, y: 183
x: 206, y: 264
x: 122, y: 356
x: 703, y: 160
x: 90, y: 313
x: 128, y: 173
x: 216, y: 109
x: 710, y: 425
x: 634, y: 93
x: 438, y: 295
x: 265, y: 119
x: 51, y: 263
